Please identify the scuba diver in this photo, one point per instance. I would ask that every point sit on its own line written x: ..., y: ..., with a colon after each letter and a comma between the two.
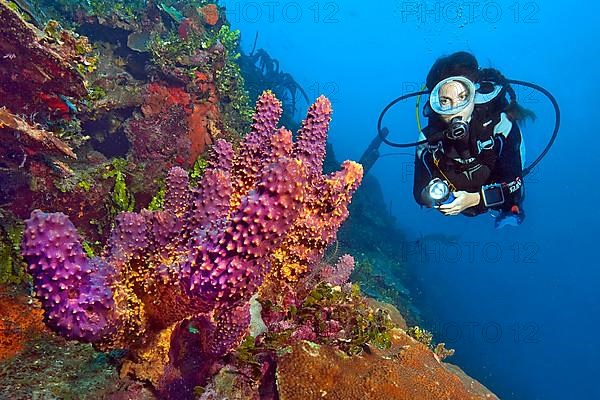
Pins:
x: 471, y: 155
x: 470, y: 158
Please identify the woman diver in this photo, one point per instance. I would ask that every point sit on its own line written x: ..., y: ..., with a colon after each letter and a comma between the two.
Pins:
x: 469, y: 159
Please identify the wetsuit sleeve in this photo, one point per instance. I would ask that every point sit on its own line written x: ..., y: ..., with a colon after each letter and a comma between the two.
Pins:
x: 508, y: 169
x: 424, y: 170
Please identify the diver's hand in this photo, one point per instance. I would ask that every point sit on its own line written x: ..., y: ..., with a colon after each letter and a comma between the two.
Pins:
x: 462, y: 201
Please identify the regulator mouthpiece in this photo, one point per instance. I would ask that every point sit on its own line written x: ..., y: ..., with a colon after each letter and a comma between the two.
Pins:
x: 458, y: 129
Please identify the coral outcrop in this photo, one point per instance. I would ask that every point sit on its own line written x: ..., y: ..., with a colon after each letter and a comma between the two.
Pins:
x: 33, y: 66
x: 107, y: 81
x: 38, y: 73
x: 17, y: 133
x: 194, y: 265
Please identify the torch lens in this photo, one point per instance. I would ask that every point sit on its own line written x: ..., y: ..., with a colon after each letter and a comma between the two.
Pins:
x: 438, y: 190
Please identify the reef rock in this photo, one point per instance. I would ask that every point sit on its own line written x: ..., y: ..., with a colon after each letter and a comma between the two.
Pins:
x: 408, y: 370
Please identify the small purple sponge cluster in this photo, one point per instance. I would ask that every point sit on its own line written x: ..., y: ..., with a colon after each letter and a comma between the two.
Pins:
x: 74, y: 290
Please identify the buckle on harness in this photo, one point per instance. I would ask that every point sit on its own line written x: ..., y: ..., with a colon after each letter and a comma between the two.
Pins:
x: 487, y: 145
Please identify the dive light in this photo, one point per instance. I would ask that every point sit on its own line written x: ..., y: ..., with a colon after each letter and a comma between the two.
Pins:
x: 439, y: 192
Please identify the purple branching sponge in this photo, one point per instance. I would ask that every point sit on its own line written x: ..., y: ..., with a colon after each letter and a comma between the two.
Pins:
x: 230, y: 266
x: 206, y: 254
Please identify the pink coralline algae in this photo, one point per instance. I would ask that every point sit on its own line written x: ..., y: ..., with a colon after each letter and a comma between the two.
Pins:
x: 193, y: 266
x: 339, y: 273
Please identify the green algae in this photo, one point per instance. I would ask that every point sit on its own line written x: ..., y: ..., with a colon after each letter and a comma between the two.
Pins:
x: 12, y: 265
x: 122, y: 198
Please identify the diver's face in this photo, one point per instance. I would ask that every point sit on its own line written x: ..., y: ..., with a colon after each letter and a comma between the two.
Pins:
x: 453, y: 94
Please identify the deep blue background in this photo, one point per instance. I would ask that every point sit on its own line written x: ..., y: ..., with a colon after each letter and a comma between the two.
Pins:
x: 520, y: 305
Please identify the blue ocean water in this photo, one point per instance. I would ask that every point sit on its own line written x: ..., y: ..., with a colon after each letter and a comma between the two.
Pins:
x: 519, y: 305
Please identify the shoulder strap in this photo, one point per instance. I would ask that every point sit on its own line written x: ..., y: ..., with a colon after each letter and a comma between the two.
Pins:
x: 504, y: 126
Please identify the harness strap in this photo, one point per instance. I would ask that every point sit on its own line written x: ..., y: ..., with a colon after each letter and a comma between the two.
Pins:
x: 436, y: 161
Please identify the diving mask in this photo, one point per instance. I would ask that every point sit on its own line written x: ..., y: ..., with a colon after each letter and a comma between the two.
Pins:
x: 463, y: 95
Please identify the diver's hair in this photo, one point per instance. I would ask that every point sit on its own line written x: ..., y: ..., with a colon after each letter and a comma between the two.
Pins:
x: 465, y: 64
x: 514, y: 110
x: 459, y: 63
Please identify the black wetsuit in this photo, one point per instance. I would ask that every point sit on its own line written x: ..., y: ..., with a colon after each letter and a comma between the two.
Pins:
x: 491, y: 154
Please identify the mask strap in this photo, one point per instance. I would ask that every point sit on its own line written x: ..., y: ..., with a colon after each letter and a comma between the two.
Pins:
x: 481, y: 98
